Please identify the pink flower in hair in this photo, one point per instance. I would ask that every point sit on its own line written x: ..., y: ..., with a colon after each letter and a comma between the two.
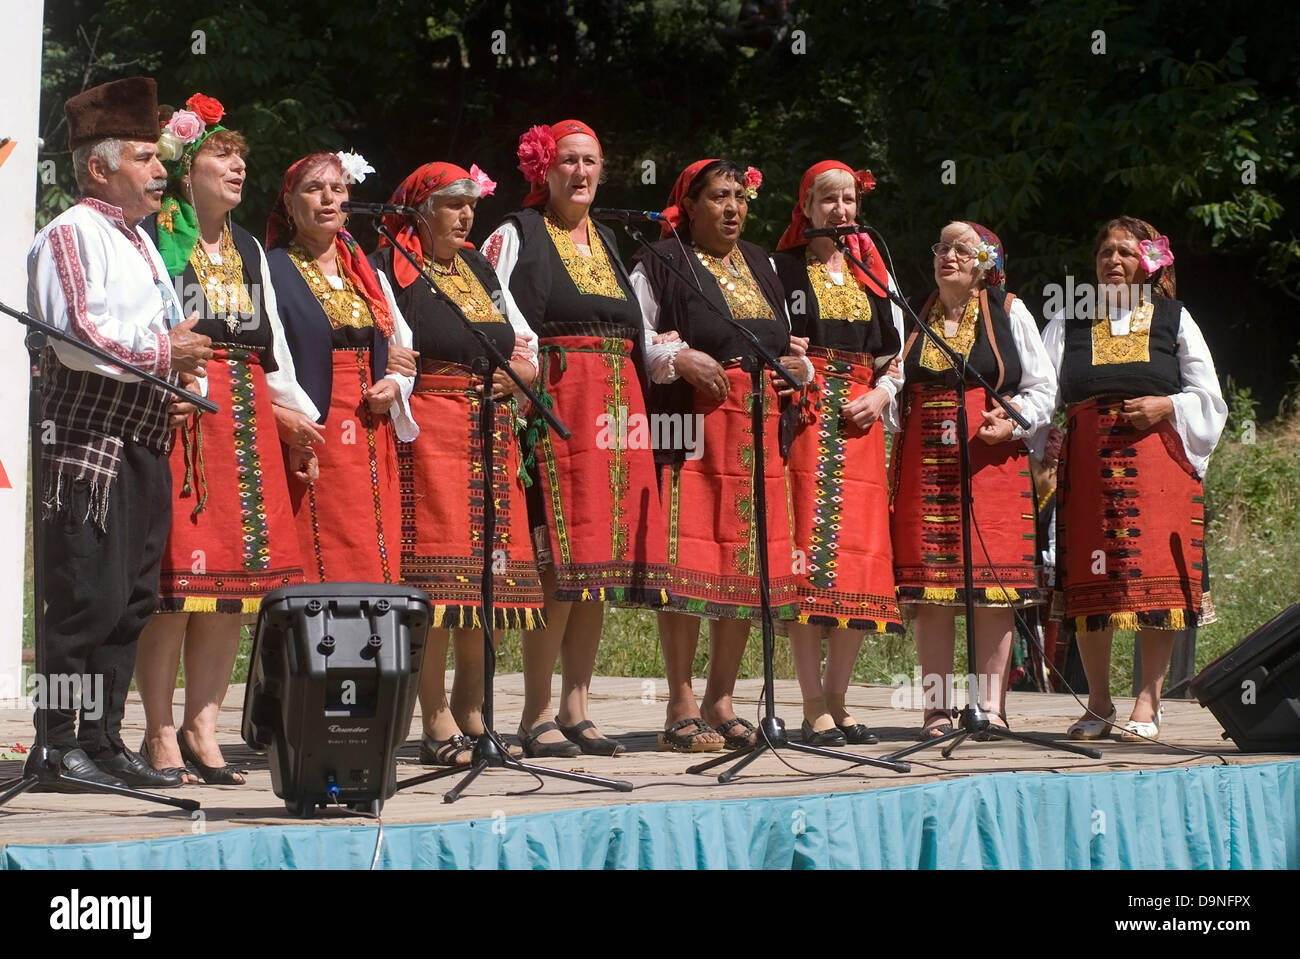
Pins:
x: 1156, y: 253
x: 753, y: 180
x: 186, y: 126
x: 486, y: 185
x: 536, y: 154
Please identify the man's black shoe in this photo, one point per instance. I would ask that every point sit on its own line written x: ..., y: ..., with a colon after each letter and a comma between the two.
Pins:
x: 134, y: 770
x: 69, y: 762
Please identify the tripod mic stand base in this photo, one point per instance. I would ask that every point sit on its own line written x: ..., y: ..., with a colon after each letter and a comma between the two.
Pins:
x: 974, y: 722
x: 43, y: 776
x: 772, y: 736
x: 489, y: 754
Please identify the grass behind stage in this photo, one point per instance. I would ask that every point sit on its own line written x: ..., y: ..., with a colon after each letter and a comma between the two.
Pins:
x: 1253, y: 537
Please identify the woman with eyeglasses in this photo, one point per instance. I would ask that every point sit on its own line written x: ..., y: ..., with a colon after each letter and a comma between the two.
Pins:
x: 974, y: 314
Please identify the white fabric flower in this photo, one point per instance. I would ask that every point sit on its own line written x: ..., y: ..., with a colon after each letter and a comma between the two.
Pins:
x: 355, y: 167
x: 170, y: 148
x: 986, y: 256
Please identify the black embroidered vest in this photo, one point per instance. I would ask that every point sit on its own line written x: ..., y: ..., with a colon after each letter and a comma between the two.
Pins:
x: 310, y: 336
x: 438, y: 332
x: 993, y: 353
x: 1087, y: 371
x: 254, y: 331
x: 877, y: 336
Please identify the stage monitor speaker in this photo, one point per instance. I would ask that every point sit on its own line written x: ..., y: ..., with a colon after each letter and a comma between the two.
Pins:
x: 1254, y: 688
x: 331, y: 689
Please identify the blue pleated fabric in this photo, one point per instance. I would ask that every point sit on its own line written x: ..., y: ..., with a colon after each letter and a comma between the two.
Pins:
x: 1207, y: 817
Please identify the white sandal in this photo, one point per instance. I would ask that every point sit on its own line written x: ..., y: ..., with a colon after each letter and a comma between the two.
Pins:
x: 1136, y: 732
x: 1088, y: 728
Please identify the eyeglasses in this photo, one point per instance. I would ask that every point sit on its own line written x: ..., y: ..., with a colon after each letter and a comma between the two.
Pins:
x: 963, y: 251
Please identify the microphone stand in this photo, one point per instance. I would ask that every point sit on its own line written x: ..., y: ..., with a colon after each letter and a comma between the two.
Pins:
x: 973, y: 720
x: 46, y: 771
x: 772, y: 734
x: 489, y: 752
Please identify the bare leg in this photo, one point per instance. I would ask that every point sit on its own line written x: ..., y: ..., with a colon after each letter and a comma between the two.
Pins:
x: 1094, y: 651
x: 679, y: 635
x: 156, y: 660
x: 727, y: 639
x: 467, y: 684
x: 541, y: 649
x: 1157, y: 646
x: 994, y: 626
x: 436, y: 720
x: 578, y: 661
x: 806, y: 650
x: 934, y: 629
x: 842, y: 648
x: 211, y: 645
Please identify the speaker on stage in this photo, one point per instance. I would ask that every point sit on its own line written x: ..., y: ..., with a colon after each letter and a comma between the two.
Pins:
x: 331, y: 689
x: 1254, y: 688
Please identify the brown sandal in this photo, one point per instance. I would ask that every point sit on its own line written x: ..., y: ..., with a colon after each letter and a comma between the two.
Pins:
x: 446, y: 752
x: 673, y: 740
x: 929, y: 732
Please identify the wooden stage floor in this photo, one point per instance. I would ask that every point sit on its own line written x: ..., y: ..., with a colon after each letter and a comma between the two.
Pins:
x: 626, y: 709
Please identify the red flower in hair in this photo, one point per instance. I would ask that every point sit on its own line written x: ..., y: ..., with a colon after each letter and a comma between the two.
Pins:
x: 209, y: 109
x: 866, y: 182
x: 536, y: 154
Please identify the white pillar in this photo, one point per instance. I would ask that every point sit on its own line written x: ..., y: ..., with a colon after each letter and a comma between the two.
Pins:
x: 20, y: 78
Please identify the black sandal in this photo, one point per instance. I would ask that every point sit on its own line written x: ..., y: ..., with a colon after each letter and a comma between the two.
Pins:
x: 591, y: 745
x: 226, y: 775
x: 533, y: 749
x: 673, y: 739
x: 445, y: 752
x: 737, y: 740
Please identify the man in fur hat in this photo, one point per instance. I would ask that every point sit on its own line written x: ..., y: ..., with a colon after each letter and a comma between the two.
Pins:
x: 107, y: 490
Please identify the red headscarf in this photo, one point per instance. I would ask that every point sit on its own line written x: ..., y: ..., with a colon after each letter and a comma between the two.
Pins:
x: 353, y: 263
x: 537, y: 151
x: 877, y: 280
x: 674, y: 213
x: 413, y: 191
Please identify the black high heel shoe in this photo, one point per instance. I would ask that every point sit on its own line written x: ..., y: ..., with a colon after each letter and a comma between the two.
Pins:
x: 144, y: 754
x: 226, y: 775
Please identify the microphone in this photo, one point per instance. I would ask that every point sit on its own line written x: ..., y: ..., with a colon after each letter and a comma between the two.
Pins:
x: 378, y: 209
x: 835, y: 232
x: 627, y: 216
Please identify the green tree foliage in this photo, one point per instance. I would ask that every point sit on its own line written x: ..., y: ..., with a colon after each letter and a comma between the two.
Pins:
x: 1054, y: 115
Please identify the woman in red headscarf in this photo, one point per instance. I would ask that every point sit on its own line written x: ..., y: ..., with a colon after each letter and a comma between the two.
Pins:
x: 709, y: 485
x: 1143, y: 412
x: 339, y: 318
x: 593, y: 502
x: 978, y: 318
x: 442, y: 483
x: 837, y: 460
